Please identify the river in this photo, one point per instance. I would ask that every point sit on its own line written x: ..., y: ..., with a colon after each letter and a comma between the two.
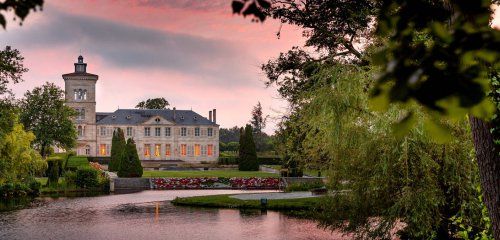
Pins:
x: 150, y: 215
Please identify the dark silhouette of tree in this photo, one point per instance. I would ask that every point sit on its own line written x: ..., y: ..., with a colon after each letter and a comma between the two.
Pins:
x: 247, y: 155
x: 118, y: 145
x: 21, y: 9
x: 130, y: 166
x: 153, y: 103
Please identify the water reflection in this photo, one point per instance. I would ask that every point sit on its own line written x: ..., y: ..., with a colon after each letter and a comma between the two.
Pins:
x: 149, y: 215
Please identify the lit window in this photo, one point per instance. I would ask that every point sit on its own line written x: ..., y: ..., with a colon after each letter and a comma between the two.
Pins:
x: 183, y: 149
x: 102, y: 149
x: 167, y: 150
x: 167, y: 131
x: 157, y: 131
x: 147, y: 131
x: 157, y: 150
x: 197, y: 149
x: 197, y: 132
x: 103, y: 131
x: 210, y: 149
x: 129, y: 131
x: 147, y: 150
x: 183, y: 131
x: 210, y: 132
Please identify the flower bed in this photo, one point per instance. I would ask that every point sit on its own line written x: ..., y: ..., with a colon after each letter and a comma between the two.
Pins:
x: 216, y: 183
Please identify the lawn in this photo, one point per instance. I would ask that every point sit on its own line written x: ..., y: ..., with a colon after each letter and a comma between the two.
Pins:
x: 209, y: 173
x: 77, y: 161
x: 224, y: 201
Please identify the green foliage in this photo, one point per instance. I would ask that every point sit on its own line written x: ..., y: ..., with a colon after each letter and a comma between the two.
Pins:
x: 54, y: 170
x: 130, y: 166
x: 74, y: 162
x: 117, y: 150
x: 227, y: 135
x: 478, y: 228
x: 154, y: 103
x: 87, y: 177
x: 43, y: 111
x: 18, y: 160
x: 304, y: 186
x: 70, y: 178
x: 11, y: 66
x: 247, y: 154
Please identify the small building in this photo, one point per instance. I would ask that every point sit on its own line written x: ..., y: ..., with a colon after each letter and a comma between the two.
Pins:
x: 160, y: 135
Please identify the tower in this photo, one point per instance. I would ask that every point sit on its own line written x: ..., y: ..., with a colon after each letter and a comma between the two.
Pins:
x: 79, y: 88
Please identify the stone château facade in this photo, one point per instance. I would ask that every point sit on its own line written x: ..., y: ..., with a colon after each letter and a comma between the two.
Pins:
x: 168, y: 134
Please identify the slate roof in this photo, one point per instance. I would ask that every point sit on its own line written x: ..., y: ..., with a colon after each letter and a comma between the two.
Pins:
x: 139, y: 116
x: 79, y: 74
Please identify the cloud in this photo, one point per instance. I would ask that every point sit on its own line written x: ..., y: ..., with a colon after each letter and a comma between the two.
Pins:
x: 204, y: 5
x: 215, y: 61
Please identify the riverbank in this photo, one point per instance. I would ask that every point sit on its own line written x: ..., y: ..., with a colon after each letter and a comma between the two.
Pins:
x: 300, y: 207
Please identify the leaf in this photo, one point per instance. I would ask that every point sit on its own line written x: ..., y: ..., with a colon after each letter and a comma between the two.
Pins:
x: 237, y: 6
x: 438, y: 132
x: 264, y: 4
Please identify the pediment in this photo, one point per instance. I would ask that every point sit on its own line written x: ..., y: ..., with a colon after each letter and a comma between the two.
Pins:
x: 158, y: 120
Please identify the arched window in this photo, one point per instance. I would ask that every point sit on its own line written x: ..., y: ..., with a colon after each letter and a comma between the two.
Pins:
x: 80, y: 94
x: 87, y: 150
x: 80, y: 131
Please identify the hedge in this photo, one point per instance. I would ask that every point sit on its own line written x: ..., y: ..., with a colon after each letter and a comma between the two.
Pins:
x: 262, y: 160
x: 76, y: 161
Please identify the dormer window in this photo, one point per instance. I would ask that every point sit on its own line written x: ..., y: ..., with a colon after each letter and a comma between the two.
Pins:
x: 129, y: 117
x: 195, y: 118
x: 182, y: 117
x: 157, y: 120
x: 114, y: 116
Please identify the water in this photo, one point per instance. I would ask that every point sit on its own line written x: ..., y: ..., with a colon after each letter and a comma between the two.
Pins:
x: 150, y: 215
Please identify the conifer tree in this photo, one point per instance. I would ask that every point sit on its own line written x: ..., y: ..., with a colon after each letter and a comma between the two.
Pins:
x: 248, y: 154
x: 117, y: 149
x: 130, y: 165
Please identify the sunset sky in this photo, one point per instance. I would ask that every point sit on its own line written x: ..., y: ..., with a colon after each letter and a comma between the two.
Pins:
x: 196, y: 54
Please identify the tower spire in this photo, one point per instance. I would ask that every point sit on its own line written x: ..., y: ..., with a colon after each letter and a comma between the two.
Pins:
x: 80, y: 66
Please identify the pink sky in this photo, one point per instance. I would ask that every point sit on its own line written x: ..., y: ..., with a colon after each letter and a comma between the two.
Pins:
x: 194, y: 53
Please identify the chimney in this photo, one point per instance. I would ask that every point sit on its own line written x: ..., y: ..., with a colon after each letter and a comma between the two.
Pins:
x: 210, y: 115
x: 215, y: 115
x: 174, y: 112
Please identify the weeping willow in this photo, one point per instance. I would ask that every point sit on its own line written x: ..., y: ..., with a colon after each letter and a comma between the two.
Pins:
x: 382, y: 183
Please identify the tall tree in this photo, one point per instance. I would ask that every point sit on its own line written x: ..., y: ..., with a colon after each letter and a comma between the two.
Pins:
x: 153, y: 103
x: 227, y: 135
x: 130, y: 165
x: 248, y: 155
x: 44, y: 113
x: 258, y: 120
x: 118, y: 146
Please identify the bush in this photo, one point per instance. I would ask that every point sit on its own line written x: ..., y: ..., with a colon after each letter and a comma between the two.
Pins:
x: 54, y: 170
x: 87, y: 178
x: 74, y: 162
x: 130, y: 165
x: 227, y: 160
x: 70, y: 178
x: 247, y: 152
x: 118, y: 146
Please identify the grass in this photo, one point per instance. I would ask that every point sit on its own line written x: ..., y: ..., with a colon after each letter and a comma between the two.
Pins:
x: 301, y: 207
x: 210, y: 173
x: 77, y: 161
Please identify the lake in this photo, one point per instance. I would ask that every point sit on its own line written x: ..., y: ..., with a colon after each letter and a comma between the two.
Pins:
x: 150, y: 215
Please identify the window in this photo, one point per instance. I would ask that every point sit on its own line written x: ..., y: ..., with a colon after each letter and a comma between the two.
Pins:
x: 183, y: 149
x: 103, y: 131
x: 210, y: 149
x: 167, y: 150
x: 167, y: 131
x: 210, y: 132
x: 157, y: 132
x: 147, y: 150
x: 80, y: 131
x: 129, y: 131
x: 197, y: 150
x: 190, y: 150
x: 183, y: 132
x: 80, y: 113
x: 157, y: 150
x: 197, y: 132
x: 147, y: 131
x: 80, y: 94
x: 87, y: 150
x: 203, y: 150
x: 102, y: 149
x: 157, y: 120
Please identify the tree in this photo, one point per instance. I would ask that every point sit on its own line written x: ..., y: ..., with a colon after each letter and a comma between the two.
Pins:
x: 227, y: 135
x: 44, y: 113
x: 21, y: 9
x: 248, y: 155
x: 18, y: 160
x: 118, y: 146
x: 153, y: 103
x: 258, y: 121
x: 130, y: 166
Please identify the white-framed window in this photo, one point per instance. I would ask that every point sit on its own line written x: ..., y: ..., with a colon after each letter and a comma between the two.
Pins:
x: 157, y: 150
x: 167, y: 131
x: 197, y: 149
x: 183, y: 131
x: 103, y: 149
x: 157, y: 132
x: 204, y: 150
x: 147, y: 131
x: 210, y: 149
x: 183, y: 149
x: 80, y: 113
x: 80, y: 131
x: 87, y: 150
x: 129, y: 131
x: 147, y: 150
x: 210, y: 132
x: 80, y: 94
x: 167, y: 150
x: 190, y: 150
x: 103, y: 131
x: 197, y: 132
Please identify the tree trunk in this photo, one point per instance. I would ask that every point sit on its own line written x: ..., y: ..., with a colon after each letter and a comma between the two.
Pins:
x: 488, y: 160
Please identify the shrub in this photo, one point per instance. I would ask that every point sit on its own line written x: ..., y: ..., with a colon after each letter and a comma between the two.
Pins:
x: 248, y: 154
x: 130, y: 166
x: 118, y: 146
x: 87, y: 178
x: 304, y: 186
x: 54, y: 169
x: 70, y: 178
